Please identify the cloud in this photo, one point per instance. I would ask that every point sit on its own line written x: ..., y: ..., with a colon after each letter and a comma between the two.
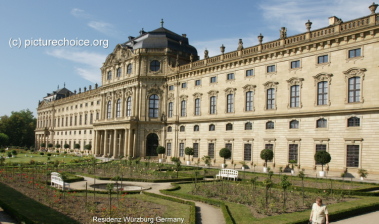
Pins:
x: 91, y: 61
x: 102, y: 27
x: 293, y: 14
x: 79, y: 13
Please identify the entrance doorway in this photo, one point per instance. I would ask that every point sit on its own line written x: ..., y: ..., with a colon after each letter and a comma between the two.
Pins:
x: 151, y: 144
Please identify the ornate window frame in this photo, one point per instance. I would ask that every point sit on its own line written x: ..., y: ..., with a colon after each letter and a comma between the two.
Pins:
x: 321, y: 77
x: 351, y: 73
x: 248, y: 88
x: 270, y: 85
x: 294, y: 81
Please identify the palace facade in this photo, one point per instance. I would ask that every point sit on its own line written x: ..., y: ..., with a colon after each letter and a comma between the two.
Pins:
x: 295, y: 95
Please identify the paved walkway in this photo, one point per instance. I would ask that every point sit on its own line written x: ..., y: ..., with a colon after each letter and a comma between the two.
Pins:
x: 5, y: 218
x: 205, y: 214
x: 369, y: 218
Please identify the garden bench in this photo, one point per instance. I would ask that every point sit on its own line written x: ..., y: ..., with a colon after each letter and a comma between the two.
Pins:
x: 227, y: 173
x: 56, y: 181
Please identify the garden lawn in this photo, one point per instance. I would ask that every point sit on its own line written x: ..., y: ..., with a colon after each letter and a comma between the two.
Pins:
x: 29, y: 210
x: 26, y: 158
x: 243, y: 214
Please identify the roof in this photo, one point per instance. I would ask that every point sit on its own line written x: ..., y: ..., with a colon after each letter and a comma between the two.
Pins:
x: 161, y: 38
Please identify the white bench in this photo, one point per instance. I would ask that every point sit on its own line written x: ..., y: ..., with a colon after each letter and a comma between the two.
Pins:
x: 56, y: 181
x: 227, y: 173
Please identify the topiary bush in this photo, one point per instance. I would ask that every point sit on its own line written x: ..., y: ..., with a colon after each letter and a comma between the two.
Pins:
x: 225, y: 153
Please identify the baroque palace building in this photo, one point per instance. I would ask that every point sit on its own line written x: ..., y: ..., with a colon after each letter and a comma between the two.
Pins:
x: 296, y: 95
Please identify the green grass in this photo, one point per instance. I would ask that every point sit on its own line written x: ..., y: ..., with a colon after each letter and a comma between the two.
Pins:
x: 28, y: 210
x: 26, y: 158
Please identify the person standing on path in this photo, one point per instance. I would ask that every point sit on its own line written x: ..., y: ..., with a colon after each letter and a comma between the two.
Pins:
x: 319, y: 213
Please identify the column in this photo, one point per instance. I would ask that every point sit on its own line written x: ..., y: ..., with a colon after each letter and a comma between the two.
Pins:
x: 94, y: 140
x: 126, y: 148
x: 115, y: 153
x: 105, y: 143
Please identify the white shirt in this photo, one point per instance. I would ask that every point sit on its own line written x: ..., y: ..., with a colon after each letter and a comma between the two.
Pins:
x: 319, y: 213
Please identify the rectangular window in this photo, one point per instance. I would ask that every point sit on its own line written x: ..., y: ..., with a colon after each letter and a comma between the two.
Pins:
x: 322, y: 59
x: 230, y: 103
x: 211, y: 150
x: 171, y: 87
x: 170, y: 109
x: 352, y: 156
x: 230, y: 76
x: 355, y: 53
x: 295, y: 64
x: 271, y: 68
x: 184, y: 85
x: 320, y: 147
x: 250, y: 72
x: 295, y: 96
x: 197, y: 106
x: 230, y: 147
x: 168, y: 149
x: 213, y: 79
x: 249, y: 101
x: 195, y: 150
x: 354, y: 89
x: 85, y: 119
x: 91, y: 118
x: 270, y: 99
x: 197, y: 82
x: 181, y: 149
x: 293, y: 152
x: 322, y: 93
x: 271, y: 147
x: 247, y: 152
x: 212, y: 105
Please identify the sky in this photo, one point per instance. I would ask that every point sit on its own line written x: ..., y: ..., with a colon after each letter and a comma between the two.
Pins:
x: 28, y: 71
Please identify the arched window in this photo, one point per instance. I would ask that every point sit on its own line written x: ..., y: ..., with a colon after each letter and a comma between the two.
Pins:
x: 248, y: 126
x: 183, y: 108
x: 119, y: 70
x: 295, y: 96
x: 270, y: 99
x: 321, y: 123
x: 229, y: 127
x: 109, y: 109
x: 170, y: 109
x: 270, y: 125
x: 230, y: 103
x: 169, y: 129
x: 196, y: 128
x: 249, y: 101
x: 129, y: 69
x: 212, y: 127
x: 153, y: 106
x: 118, y: 108
x: 109, y: 75
x: 197, y: 106
x: 353, y: 122
x: 155, y: 66
x: 354, y: 89
x: 182, y: 129
x: 294, y: 124
x: 212, y: 105
x: 129, y: 106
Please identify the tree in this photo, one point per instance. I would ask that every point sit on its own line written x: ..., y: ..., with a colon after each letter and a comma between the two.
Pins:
x: 207, y: 160
x: 161, y: 150
x: 88, y: 147
x: 267, y: 154
x: 57, y: 146
x: 43, y: 145
x: 50, y: 145
x: 76, y: 146
x: 189, y: 151
x: 3, y: 139
x: 322, y: 157
x: 225, y: 153
x: 284, y: 184
x: 66, y: 146
x: 14, y: 153
x: 19, y: 127
x: 177, y: 162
